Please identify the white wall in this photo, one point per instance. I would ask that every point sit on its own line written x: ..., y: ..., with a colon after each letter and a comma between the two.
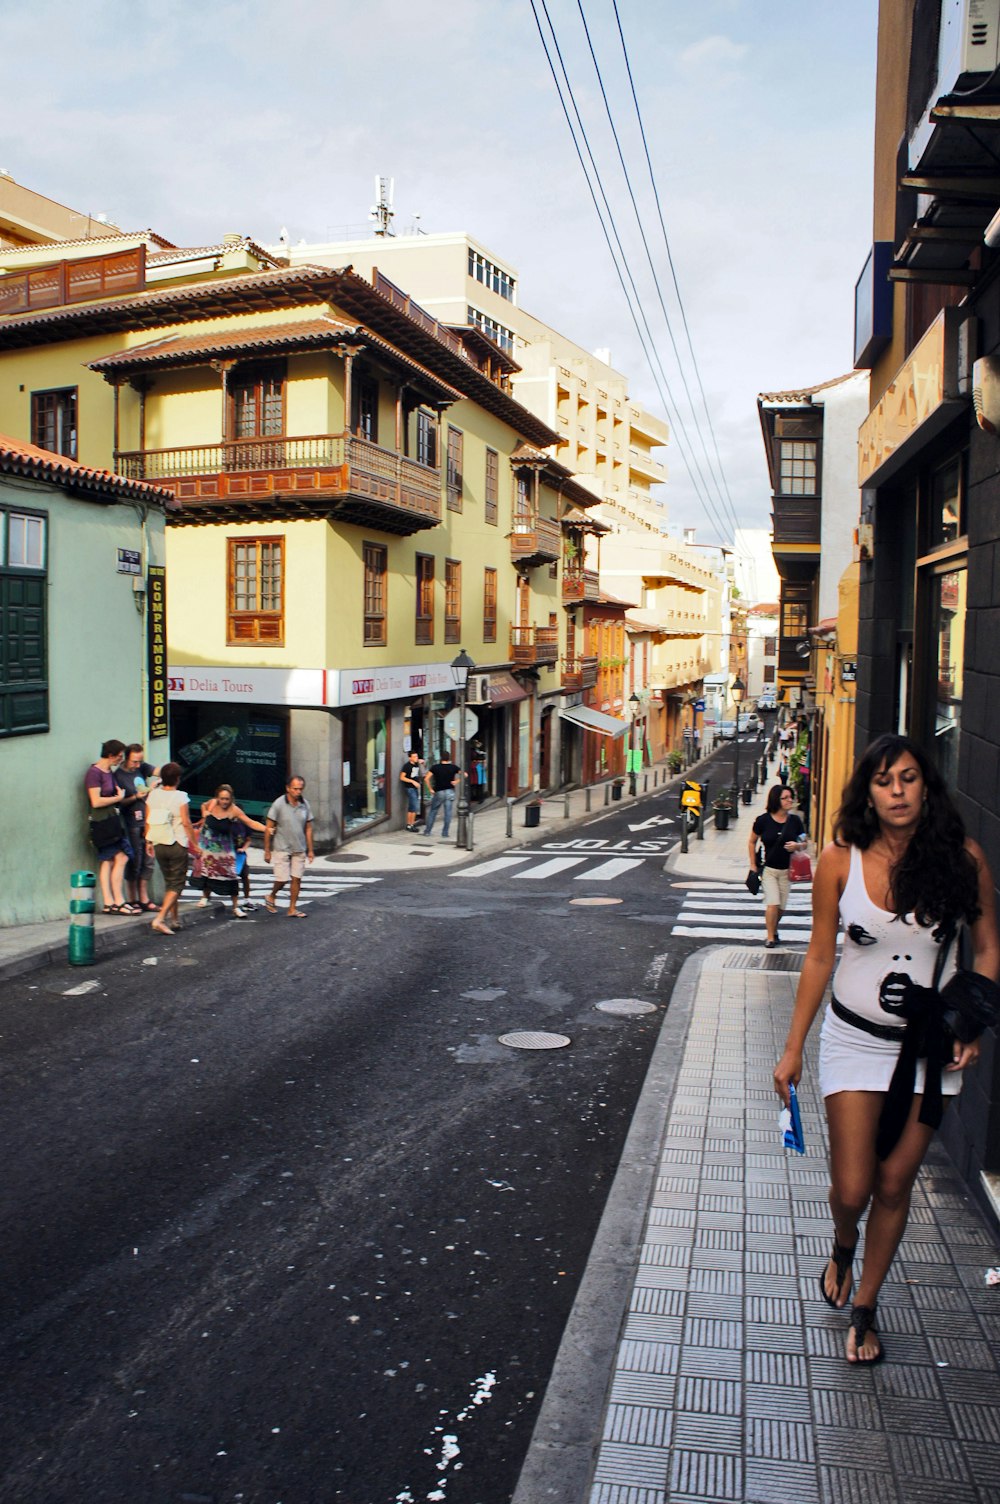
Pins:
x: 846, y: 408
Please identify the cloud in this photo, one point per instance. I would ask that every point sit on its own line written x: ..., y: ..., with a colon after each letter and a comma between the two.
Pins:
x: 711, y: 53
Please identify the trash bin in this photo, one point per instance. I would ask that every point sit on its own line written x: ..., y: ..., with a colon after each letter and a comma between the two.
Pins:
x: 616, y: 788
x: 532, y: 814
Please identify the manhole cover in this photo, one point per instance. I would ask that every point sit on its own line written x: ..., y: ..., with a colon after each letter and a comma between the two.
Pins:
x: 592, y: 903
x: 527, y: 1040
x: 346, y: 856
x: 626, y: 1005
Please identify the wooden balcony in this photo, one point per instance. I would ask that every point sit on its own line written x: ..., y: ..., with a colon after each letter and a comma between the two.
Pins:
x: 796, y: 521
x: 532, y: 646
x: 340, y: 476
x: 579, y: 673
x: 580, y: 585
x: 535, y: 540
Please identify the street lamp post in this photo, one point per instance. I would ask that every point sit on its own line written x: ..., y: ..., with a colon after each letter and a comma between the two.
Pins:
x: 736, y: 694
x: 634, y: 703
x: 461, y: 667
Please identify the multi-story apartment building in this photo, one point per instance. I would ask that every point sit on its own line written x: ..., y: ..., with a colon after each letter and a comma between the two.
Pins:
x: 361, y: 496
x: 605, y: 438
x: 927, y: 328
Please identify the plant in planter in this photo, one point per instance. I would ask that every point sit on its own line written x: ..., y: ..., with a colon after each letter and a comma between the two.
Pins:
x: 675, y: 761
x: 722, y: 808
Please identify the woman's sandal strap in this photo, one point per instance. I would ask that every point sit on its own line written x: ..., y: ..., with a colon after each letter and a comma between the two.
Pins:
x: 842, y: 1260
x: 862, y: 1322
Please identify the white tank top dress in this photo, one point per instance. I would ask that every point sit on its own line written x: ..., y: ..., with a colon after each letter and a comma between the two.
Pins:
x: 876, y: 945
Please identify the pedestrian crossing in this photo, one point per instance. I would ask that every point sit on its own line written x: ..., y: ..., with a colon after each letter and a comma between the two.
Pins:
x: 726, y: 911
x: 527, y: 867
x: 314, y: 885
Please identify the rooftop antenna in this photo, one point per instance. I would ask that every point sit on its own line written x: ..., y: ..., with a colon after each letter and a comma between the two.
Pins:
x: 382, y: 211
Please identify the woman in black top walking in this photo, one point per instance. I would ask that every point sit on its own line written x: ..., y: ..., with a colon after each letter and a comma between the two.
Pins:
x: 782, y: 833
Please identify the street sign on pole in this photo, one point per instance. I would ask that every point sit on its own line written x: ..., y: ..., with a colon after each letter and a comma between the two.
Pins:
x: 452, y: 724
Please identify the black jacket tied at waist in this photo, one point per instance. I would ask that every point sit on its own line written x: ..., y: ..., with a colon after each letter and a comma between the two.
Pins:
x: 924, y: 1038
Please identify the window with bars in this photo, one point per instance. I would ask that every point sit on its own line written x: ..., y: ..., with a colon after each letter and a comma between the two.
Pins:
x: 798, y: 469
x: 454, y: 471
x: 256, y: 591
x: 492, y: 507
x: 489, y: 605
x: 425, y: 599
x: 24, y: 687
x: 376, y: 557
x: 452, y: 600
x: 53, y: 421
x: 426, y: 439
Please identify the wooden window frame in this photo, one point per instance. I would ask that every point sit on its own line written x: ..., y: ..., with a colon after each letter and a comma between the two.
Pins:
x: 491, y: 510
x: 427, y: 439
x: 24, y: 696
x: 452, y: 600
x: 423, y: 634
x: 264, y: 628
x: 364, y: 419
x: 376, y: 594
x: 66, y: 444
x: 489, y: 604
x: 453, y: 463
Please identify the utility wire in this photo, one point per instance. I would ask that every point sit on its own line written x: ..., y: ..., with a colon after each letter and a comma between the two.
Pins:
x: 656, y: 280
x: 633, y: 301
x: 666, y: 245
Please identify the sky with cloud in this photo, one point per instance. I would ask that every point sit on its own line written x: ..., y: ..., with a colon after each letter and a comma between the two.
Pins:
x: 197, y: 119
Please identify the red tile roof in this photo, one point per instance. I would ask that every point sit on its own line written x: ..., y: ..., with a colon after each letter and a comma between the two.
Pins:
x: 18, y: 458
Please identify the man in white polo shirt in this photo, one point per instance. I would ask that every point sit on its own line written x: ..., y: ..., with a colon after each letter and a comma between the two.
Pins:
x: 289, y: 834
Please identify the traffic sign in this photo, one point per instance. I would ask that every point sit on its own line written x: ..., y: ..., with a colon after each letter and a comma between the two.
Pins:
x: 453, y: 724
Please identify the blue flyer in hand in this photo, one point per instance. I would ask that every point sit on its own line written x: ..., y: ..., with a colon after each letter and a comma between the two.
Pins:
x: 790, y: 1123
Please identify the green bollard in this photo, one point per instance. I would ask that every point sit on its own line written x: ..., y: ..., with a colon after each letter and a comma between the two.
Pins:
x: 81, y: 919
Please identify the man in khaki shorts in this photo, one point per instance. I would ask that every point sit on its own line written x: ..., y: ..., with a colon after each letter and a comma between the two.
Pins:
x: 289, y: 834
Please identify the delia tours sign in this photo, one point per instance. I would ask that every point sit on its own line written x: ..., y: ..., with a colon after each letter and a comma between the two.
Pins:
x: 306, y: 687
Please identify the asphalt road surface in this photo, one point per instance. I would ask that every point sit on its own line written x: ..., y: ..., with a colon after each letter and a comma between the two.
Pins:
x: 284, y: 1222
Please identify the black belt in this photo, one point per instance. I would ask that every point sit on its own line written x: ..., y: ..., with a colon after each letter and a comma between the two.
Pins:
x: 880, y: 1031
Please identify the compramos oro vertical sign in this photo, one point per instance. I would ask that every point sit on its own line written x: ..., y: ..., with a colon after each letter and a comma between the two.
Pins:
x: 156, y: 639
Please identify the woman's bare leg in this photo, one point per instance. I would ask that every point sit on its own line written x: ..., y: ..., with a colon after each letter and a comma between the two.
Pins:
x: 772, y: 917
x: 852, y: 1117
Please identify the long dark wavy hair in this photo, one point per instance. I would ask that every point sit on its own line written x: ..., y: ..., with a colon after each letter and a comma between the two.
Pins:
x: 935, y: 878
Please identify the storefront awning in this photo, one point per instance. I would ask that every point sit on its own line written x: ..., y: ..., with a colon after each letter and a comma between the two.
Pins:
x: 504, y: 689
x: 595, y: 720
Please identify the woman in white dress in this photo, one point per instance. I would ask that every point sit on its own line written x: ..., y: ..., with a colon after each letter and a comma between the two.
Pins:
x: 900, y: 876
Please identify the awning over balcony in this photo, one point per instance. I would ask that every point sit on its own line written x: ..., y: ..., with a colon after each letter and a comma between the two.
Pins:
x: 595, y: 720
x: 504, y: 689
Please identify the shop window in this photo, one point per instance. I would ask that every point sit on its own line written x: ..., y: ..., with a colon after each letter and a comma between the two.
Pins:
x: 452, y: 601
x: 53, y: 421
x: 945, y: 520
x: 24, y: 689
x: 255, y: 591
x: 453, y: 482
x: 489, y: 605
x: 492, y: 506
x: 425, y: 599
x: 365, y: 749
x: 948, y: 601
x: 376, y: 557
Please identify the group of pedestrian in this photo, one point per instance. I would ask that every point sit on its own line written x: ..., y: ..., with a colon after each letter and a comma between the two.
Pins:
x: 441, y: 782
x: 139, y: 814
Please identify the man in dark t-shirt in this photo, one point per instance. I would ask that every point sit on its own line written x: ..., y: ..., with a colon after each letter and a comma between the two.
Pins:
x: 410, y: 777
x: 442, y: 781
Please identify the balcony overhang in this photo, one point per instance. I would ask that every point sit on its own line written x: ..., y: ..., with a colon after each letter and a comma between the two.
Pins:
x: 920, y: 401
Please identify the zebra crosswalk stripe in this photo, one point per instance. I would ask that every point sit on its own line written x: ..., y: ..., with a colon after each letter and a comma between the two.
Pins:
x: 717, y: 910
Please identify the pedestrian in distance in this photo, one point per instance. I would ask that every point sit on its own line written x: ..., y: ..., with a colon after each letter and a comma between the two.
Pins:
x: 442, y: 781
x: 782, y: 834
x: 288, y: 844
x: 169, y: 837
x: 220, y: 831
x: 137, y: 776
x: 900, y: 876
x: 411, y: 777
x: 107, y: 828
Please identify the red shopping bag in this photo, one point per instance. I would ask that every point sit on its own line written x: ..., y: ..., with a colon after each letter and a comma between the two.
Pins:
x: 800, y: 868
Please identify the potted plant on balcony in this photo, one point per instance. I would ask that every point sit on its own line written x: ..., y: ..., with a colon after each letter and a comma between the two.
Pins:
x: 722, y: 808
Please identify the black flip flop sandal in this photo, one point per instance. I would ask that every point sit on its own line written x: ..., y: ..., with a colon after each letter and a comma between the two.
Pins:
x: 863, y: 1322
x: 843, y: 1260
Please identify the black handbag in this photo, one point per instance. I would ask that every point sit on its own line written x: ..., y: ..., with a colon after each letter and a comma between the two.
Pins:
x: 753, y: 883
x: 970, y: 1003
x: 106, y: 828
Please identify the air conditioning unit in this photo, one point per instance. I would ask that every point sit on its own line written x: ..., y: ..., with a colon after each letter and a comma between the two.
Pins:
x: 968, y: 51
x: 478, y: 690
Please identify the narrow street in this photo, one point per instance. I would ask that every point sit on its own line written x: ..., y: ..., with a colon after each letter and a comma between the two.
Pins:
x: 285, y: 1221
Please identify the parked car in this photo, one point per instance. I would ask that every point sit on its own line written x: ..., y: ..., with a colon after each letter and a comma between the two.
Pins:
x: 750, y: 723
x: 725, y: 731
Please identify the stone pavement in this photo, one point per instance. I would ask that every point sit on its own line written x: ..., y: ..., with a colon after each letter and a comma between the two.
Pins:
x: 699, y: 1363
